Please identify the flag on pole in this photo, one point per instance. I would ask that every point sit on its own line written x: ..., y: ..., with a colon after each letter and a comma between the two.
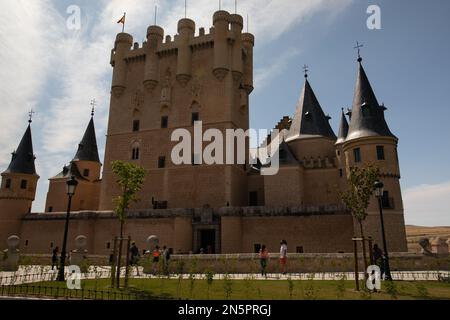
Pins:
x: 122, y: 21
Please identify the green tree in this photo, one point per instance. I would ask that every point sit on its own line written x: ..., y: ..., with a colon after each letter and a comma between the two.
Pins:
x: 357, y: 197
x: 130, y: 178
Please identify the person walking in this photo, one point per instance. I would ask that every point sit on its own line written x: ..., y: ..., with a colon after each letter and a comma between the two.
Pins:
x: 263, y: 259
x: 55, y: 258
x: 156, y: 254
x: 378, y: 258
x: 283, y: 256
x: 166, y: 259
x: 134, y: 260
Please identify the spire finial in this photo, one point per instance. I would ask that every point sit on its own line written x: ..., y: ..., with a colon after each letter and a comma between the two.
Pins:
x: 305, y: 70
x: 358, y: 47
x: 30, y: 116
x: 93, y: 104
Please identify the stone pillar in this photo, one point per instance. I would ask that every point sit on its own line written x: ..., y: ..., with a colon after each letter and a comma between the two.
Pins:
x: 11, y: 255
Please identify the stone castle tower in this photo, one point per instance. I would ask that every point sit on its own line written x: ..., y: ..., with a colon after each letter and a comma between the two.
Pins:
x: 171, y: 83
x: 368, y: 140
x: 168, y: 84
x: 18, y: 188
x: 85, y: 167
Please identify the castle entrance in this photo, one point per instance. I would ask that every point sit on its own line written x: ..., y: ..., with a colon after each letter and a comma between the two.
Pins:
x: 208, y: 241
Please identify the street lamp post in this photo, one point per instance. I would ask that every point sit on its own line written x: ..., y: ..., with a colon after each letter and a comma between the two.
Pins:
x: 378, y: 186
x: 71, y: 188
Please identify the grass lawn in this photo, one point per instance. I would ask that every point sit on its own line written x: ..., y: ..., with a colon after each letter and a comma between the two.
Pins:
x: 271, y: 290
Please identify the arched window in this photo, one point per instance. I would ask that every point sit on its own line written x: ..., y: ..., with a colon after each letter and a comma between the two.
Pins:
x: 135, y: 151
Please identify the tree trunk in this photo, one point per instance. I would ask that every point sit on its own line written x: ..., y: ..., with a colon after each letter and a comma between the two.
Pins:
x: 363, y: 247
x: 119, y: 258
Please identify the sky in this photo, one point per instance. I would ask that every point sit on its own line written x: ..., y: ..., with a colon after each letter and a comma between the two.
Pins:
x: 57, y: 70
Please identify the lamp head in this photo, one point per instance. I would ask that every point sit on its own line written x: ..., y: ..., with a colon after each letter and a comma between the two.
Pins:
x: 72, y: 184
x: 378, y: 186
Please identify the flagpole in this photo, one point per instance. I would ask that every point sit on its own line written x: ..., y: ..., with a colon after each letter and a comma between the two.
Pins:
x: 124, y: 21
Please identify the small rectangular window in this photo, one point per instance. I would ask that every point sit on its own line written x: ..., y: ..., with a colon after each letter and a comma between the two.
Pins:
x: 257, y: 247
x: 23, y: 184
x: 357, y: 154
x: 386, y: 201
x: 161, y: 162
x: 195, y: 117
x: 136, y: 125
x: 341, y: 173
x: 50, y: 209
x: 380, y: 153
x: 253, y: 198
x: 108, y: 245
x: 51, y: 244
x: 8, y: 184
x: 86, y: 172
x: 26, y: 243
x: 164, y: 122
x: 300, y: 249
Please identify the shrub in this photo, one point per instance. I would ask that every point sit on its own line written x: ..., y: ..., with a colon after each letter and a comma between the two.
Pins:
x: 422, y: 291
x: 209, y: 276
x: 290, y: 287
x: 227, y: 286
x: 391, y: 289
x: 340, y: 288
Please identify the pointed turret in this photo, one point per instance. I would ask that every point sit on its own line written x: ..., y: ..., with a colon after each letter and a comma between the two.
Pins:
x: 367, y: 118
x: 343, y: 129
x: 87, y: 149
x: 23, y: 158
x: 309, y: 121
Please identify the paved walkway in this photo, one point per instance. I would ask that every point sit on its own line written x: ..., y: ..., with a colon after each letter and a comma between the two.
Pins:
x: 33, y: 274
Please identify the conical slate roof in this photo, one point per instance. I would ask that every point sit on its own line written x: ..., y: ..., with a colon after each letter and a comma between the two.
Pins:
x: 68, y: 171
x: 367, y: 115
x: 343, y: 129
x: 87, y: 149
x: 309, y: 120
x: 23, y: 158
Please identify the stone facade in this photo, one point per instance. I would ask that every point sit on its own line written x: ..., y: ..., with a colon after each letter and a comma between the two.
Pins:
x: 167, y: 84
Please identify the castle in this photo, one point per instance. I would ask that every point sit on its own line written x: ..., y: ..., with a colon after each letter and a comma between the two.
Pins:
x: 167, y: 84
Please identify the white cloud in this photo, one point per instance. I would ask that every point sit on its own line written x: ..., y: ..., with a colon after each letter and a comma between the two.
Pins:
x: 25, y: 63
x: 428, y: 205
x: 44, y: 62
x: 265, y: 74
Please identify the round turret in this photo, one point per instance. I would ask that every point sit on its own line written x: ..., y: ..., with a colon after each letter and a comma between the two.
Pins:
x: 186, y: 31
x: 123, y: 43
x: 155, y: 35
x: 221, y: 22
x: 248, y: 42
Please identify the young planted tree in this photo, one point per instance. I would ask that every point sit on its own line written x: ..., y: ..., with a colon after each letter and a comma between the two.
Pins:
x: 130, y: 178
x: 357, y: 197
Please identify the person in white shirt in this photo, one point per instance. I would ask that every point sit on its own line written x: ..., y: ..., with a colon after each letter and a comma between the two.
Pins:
x: 283, y: 256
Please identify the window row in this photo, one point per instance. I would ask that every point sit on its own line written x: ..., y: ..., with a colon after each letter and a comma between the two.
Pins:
x: 358, y: 157
x: 165, y: 122
x: 23, y: 184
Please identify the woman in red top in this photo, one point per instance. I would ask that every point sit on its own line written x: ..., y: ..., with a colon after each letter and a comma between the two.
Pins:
x: 263, y: 258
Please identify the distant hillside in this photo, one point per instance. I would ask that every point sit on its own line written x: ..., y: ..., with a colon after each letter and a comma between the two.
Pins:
x: 415, y: 233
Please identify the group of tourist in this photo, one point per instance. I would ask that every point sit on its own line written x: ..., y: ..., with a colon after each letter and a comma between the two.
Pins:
x: 264, y: 258
x: 157, y: 254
